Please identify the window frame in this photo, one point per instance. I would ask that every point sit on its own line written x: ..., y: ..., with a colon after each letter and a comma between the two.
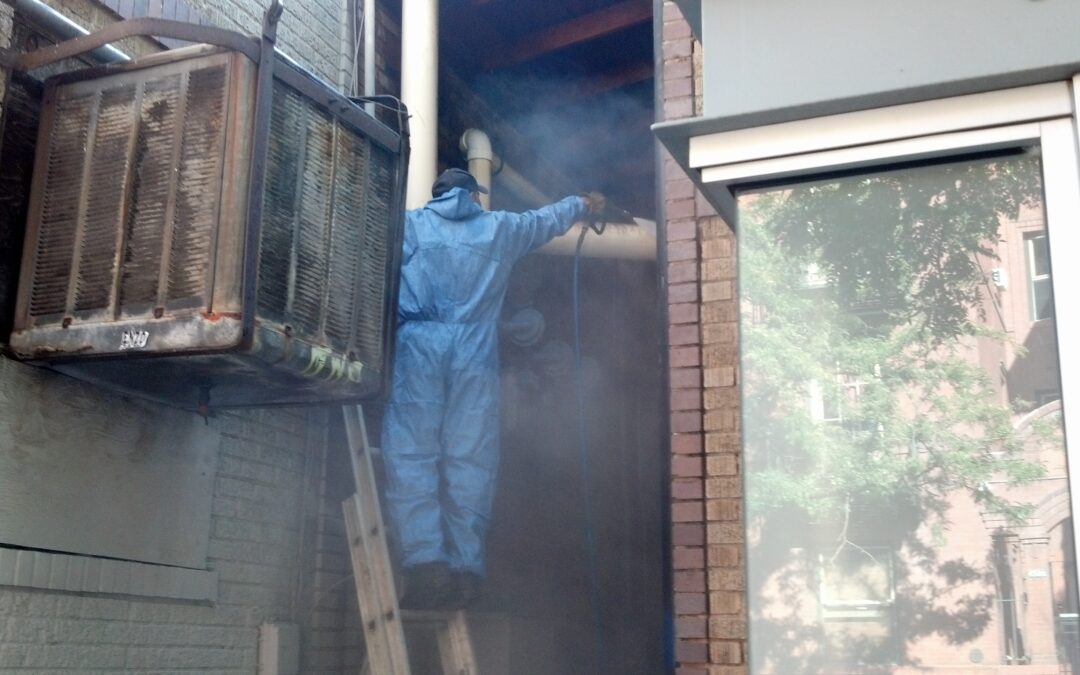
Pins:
x: 1033, y: 278
x: 1042, y: 115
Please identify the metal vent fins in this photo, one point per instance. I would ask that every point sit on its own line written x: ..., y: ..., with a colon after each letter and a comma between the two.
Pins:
x: 323, y: 252
x: 149, y: 266
x: 130, y: 197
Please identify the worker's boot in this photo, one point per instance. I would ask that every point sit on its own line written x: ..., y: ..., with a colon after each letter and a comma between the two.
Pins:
x: 466, y: 590
x: 428, y: 586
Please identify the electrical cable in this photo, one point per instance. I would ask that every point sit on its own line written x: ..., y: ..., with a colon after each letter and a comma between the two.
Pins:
x: 583, y: 447
x: 379, y: 100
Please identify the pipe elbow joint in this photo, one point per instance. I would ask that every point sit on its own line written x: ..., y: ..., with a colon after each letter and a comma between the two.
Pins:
x: 476, y: 145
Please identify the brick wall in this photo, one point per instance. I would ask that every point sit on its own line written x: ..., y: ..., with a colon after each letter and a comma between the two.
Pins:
x: 706, y: 490
x: 310, y: 31
x: 313, y: 32
x: 265, y: 501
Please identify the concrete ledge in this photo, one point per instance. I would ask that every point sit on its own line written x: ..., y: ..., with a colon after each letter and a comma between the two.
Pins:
x: 85, y: 574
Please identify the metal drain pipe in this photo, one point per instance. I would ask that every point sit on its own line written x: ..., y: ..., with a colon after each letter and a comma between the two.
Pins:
x: 477, y: 148
x: 420, y: 92
x: 369, y: 52
x: 65, y: 28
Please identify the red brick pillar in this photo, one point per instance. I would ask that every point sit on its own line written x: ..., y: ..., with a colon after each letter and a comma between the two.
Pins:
x: 706, y: 489
x: 723, y: 447
x: 1038, y: 608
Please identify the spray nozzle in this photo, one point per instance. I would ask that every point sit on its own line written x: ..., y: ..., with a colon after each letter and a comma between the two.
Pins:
x: 602, y: 211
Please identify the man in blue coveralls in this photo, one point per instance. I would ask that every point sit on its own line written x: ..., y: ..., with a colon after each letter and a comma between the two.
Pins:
x: 441, y: 427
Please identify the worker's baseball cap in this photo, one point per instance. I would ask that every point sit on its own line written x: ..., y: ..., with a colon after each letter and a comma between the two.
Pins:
x: 452, y: 178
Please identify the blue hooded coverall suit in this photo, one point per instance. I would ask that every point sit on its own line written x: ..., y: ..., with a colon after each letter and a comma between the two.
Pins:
x: 441, y: 425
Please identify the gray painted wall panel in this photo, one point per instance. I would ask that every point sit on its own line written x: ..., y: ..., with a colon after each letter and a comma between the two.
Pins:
x: 83, y: 472
x: 763, y: 55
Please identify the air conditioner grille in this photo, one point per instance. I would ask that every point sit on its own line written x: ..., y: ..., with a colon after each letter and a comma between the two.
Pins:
x: 110, y: 158
x: 317, y: 180
x: 153, y: 175
x: 134, y: 168
x: 60, y: 206
x: 284, y: 157
x: 323, y: 252
x: 347, y: 238
x: 370, y: 334
x: 198, y: 186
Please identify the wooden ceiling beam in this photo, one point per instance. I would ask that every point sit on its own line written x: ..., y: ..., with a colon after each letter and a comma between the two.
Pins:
x: 630, y: 73
x: 575, y: 31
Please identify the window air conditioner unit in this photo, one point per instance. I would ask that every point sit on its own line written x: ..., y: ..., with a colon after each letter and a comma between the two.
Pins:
x: 201, y: 232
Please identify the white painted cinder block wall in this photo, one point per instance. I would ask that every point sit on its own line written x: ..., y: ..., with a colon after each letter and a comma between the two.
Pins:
x: 276, y: 535
x: 310, y: 31
x: 273, y: 553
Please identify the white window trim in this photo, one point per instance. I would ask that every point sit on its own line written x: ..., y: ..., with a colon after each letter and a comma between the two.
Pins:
x: 910, y: 149
x: 1061, y: 183
x: 867, y: 127
x: 1043, y: 114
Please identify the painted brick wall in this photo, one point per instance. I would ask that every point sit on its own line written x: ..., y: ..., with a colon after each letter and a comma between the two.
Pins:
x: 310, y: 32
x: 264, y: 509
x: 277, y: 538
x: 92, y: 15
x: 706, y: 490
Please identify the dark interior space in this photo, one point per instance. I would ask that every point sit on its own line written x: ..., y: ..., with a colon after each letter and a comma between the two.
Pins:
x: 565, y: 91
x: 541, y: 544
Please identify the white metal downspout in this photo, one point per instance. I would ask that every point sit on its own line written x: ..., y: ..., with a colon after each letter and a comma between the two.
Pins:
x: 369, y: 53
x: 477, y: 148
x: 420, y: 92
x: 66, y: 28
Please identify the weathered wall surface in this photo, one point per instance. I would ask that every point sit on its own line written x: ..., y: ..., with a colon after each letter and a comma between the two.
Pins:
x: 868, y: 50
x: 266, y: 489
x: 313, y: 32
x: 275, y: 535
x: 707, y: 529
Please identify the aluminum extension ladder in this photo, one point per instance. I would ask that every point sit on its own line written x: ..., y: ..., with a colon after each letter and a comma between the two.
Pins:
x: 383, y: 621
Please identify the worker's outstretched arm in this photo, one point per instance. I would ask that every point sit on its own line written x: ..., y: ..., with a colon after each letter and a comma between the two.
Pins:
x: 528, y: 231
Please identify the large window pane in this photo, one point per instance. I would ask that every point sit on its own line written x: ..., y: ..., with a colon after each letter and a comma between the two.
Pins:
x: 907, y: 496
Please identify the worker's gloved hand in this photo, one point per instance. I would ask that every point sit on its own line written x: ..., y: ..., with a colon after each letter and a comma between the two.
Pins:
x: 597, y: 202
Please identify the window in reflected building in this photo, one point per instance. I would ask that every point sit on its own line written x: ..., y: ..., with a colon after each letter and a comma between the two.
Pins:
x: 1038, y: 269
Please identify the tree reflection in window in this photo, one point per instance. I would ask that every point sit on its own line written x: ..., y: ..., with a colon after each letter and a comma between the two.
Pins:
x: 868, y: 296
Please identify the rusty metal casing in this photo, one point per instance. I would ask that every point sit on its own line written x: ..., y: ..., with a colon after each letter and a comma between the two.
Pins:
x: 142, y: 269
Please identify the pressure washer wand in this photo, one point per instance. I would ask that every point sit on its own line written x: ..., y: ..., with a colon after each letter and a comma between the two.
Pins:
x: 598, y: 222
x: 614, y: 214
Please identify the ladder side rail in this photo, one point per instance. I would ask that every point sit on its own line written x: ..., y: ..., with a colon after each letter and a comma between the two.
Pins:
x: 372, y: 616
x: 455, y: 646
x: 374, y: 555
